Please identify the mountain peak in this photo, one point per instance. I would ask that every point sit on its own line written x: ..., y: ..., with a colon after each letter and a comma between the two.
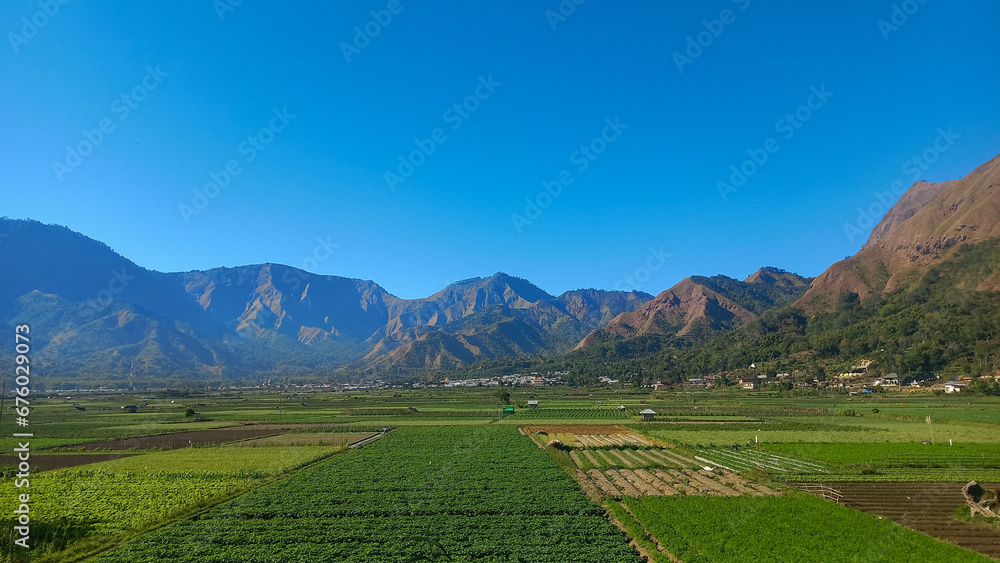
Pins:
x: 925, y: 225
x: 777, y: 277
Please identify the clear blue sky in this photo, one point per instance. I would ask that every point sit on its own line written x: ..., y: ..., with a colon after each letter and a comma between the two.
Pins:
x: 218, y: 81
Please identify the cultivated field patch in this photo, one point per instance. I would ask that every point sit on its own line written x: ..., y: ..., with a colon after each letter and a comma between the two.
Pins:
x: 181, y: 439
x: 768, y: 529
x: 98, y: 503
x: 926, y: 507
x: 746, y: 459
x: 307, y: 439
x: 619, y: 483
x: 418, y: 494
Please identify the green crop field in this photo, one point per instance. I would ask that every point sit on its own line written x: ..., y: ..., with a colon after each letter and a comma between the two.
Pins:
x: 97, y: 503
x: 450, y: 493
x: 767, y: 529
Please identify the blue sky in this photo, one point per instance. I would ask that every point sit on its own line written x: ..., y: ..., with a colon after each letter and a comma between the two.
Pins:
x: 326, y: 112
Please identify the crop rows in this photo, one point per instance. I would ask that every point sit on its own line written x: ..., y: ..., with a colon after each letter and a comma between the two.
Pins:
x: 125, y: 495
x: 404, y: 411
x: 436, y: 493
x: 750, y: 458
x: 582, y: 414
x: 619, y: 483
x: 82, y: 503
x: 591, y: 441
x: 619, y: 472
x: 768, y: 529
x: 605, y: 458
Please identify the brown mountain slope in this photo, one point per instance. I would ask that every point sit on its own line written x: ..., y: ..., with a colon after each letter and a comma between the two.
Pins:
x: 716, y: 303
x: 678, y: 309
x: 923, y: 226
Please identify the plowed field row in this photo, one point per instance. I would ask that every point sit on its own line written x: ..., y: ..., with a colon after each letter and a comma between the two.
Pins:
x: 619, y: 483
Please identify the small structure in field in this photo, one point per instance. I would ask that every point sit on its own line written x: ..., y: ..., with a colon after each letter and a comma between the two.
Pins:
x: 533, y: 404
x: 508, y: 410
x: 130, y: 408
x: 982, y: 501
x: 954, y: 387
x: 648, y: 414
x: 557, y: 444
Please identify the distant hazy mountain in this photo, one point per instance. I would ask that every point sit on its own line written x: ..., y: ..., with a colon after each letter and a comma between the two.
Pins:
x: 714, y: 303
x: 97, y: 316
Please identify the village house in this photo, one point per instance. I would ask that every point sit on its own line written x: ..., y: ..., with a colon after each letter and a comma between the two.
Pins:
x: 954, y: 387
x: 891, y: 380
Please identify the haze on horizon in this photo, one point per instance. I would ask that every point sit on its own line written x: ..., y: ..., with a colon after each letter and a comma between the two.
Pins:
x: 415, y: 145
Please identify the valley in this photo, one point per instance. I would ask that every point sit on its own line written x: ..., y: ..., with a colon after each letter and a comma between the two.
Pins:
x: 455, y: 478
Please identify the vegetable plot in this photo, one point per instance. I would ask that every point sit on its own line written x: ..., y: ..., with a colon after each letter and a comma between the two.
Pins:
x: 436, y: 493
x: 778, y: 529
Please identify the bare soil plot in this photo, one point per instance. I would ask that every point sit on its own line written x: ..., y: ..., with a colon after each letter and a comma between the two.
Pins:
x: 681, y: 485
x: 48, y: 462
x: 712, y: 481
x: 639, y: 482
x: 664, y: 488
x: 586, y: 429
x: 656, y: 482
x: 179, y: 440
x: 312, y: 439
x: 622, y: 483
x: 602, y: 482
x: 746, y: 487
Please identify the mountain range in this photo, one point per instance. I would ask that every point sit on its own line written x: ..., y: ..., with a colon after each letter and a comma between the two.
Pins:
x: 98, y: 318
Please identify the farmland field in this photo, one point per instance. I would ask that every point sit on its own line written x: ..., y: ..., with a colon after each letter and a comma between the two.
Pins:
x: 926, y: 507
x: 478, y: 493
x: 97, y: 503
x: 265, y: 475
x: 778, y: 529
